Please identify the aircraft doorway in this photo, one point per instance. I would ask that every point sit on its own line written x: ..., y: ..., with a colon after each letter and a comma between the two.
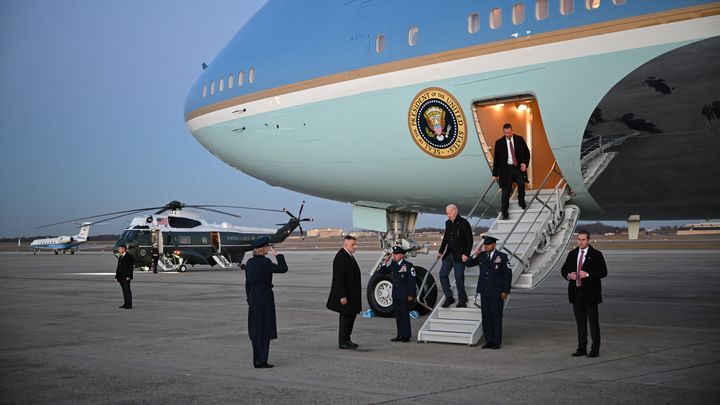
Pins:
x: 215, y: 239
x: 523, y: 113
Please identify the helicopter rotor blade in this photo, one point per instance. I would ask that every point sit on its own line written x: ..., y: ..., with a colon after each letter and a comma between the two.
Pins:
x: 233, y: 206
x: 218, y: 211
x: 124, y: 213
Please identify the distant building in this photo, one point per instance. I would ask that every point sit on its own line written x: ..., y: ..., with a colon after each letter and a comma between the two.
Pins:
x: 707, y: 228
x: 325, y: 233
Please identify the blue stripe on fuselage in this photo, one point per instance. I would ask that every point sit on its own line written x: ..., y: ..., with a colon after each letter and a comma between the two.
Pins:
x: 288, y: 42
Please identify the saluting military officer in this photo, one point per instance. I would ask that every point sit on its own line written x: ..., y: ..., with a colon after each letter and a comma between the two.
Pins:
x: 493, y: 287
x: 404, y: 290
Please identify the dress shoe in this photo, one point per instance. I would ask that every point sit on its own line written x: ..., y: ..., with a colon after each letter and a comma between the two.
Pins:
x: 396, y: 339
x: 128, y: 307
x: 487, y: 346
x: 461, y: 305
x: 593, y: 354
x: 353, y: 344
x: 122, y: 306
x: 522, y: 205
x: 495, y: 347
x: 579, y: 352
x: 405, y: 340
x: 264, y: 365
x: 347, y: 346
x: 505, y: 216
x: 448, y: 302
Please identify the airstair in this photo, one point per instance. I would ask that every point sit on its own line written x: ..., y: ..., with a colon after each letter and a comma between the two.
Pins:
x: 166, y: 263
x: 221, y: 261
x: 534, y: 240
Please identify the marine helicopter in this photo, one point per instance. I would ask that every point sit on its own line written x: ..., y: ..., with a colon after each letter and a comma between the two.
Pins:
x: 183, y: 238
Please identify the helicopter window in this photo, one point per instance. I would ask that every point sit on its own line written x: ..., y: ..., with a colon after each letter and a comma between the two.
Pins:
x: 473, y: 23
x: 542, y: 10
x: 495, y: 18
x: 204, y: 239
x: 128, y: 236
x: 179, y: 222
x: 183, y: 239
x: 567, y: 7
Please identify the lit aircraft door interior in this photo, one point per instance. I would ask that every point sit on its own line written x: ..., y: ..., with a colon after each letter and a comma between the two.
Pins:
x: 215, y: 239
x: 523, y: 113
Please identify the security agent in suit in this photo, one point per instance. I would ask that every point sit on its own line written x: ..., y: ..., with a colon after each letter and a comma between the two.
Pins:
x: 455, y: 250
x: 124, y: 274
x: 509, y: 169
x: 585, y: 291
x: 494, y: 288
x: 262, y: 326
x: 404, y: 291
x: 345, y: 291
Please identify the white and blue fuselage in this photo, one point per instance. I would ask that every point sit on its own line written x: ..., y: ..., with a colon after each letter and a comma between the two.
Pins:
x: 318, y: 97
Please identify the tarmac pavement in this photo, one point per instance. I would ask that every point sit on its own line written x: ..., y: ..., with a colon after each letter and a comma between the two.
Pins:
x: 63, y: 339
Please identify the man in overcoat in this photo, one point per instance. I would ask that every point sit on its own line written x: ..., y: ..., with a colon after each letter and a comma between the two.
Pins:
x: 124, y: 275
x: 457, y: 242
x: 346, y: 291
x: 584, y: 268
x: 262, y: 326
x: 511, y: 158
x: 494, y: 287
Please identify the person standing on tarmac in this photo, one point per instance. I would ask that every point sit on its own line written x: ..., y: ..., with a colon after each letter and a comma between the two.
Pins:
x: 155, y: 257
x: 262, y: 326
x: 404, y: 291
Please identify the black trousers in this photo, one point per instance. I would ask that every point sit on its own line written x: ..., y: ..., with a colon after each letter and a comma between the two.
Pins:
x: 127, y: 294
x: 402, y: 317
x: 449, y: 264
x: 514, y: 175
x: 492, y: 317
x: 585, y: 314
x: 347, y: 321
x: 261, y: 351
x: 154, y: 264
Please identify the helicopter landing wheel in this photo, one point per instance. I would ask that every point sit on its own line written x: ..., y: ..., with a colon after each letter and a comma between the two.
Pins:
x: 182, y: 268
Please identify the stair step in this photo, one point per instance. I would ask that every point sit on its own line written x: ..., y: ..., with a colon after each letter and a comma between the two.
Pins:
x: 466, y: 314
x: 451, y: 325
x: 446, y: 337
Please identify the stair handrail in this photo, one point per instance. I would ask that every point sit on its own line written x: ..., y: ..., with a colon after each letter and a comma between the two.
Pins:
x: 482, y: 198
x: 533, y: 198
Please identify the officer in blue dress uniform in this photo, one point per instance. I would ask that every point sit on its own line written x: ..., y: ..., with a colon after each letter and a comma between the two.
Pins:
x: 261, y: 301
x: 493, y: 287
x: 403, y: 292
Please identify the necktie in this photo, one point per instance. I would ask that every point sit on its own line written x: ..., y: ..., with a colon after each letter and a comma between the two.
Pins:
x: 578, y: 282
x: 512, y: 151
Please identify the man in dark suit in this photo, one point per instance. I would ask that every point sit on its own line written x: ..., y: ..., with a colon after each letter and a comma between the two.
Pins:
x: 124, y: 274
x: 494, y: 287
x: 458, y: 240
x: 345, y: 291
x: 584, y: 268
x: 511, y: 158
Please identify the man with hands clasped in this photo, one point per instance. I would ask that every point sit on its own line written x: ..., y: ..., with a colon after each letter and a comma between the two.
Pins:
x: 403, y: 292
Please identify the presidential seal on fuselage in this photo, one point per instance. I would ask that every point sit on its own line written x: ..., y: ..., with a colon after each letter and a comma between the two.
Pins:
x: 437, y: 123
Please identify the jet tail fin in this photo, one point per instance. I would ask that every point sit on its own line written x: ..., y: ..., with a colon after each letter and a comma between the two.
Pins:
x: 84, y: 231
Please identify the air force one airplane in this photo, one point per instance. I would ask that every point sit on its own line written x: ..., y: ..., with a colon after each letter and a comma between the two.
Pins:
x: 63, y: 243
x: 394, y: 107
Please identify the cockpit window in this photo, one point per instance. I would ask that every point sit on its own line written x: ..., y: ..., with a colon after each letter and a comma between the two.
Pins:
x: 128, y: 236
x: 180, y: 222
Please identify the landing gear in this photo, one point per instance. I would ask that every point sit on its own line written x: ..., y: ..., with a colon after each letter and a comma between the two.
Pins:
x: 182, y: 268
x: 56, y: 252
x: 379, y: 288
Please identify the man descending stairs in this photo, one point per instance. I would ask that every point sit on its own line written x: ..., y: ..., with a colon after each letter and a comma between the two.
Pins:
x: 533, y: 239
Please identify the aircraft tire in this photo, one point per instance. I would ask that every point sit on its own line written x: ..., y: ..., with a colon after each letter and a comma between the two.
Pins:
x: 72, y: 252
x: 430, y: 295
x: 182, y: 268
x: 379, y: 295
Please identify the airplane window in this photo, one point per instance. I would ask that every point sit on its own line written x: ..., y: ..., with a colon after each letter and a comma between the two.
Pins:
x: 221, y: 84
x: 413, y: 36
x: 204, y: 92
x: 473, y: 23
x: 212, y: 87
x: 567, y: 7
x: 251, y: 75
x: 592, y: 4
x: 542, y: 9
x: 619, y: 2
x: 231, y: 81
x: 379, y: 43
x: 240, y: 79
x: 495, y: 18
x: 518, y: 13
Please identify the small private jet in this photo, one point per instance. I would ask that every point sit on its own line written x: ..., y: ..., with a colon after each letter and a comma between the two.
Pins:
x: 64, y: 244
